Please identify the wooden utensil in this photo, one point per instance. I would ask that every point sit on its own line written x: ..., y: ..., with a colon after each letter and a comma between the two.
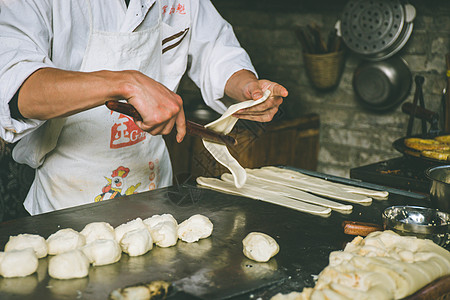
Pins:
x: 191, y: 127
x: 360, y: 228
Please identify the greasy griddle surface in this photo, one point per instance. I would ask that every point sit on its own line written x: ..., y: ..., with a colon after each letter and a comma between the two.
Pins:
x: 214, y: 268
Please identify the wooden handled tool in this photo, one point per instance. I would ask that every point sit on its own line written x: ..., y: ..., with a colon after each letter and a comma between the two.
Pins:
x: 360, y: 228
x: 191, y: 127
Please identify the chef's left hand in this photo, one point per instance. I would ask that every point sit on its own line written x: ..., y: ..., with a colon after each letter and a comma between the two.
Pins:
x: 244, y: 85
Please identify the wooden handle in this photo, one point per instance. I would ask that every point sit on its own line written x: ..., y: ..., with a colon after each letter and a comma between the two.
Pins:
x: 191, y: 127
x: 360, y: 228
x: 420, y: 112
x: 433, y: 290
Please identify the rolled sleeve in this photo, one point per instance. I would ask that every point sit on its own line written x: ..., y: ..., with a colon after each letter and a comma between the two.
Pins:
x: 216, y: 54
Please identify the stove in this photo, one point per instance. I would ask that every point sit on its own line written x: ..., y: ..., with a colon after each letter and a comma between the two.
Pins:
x: 405, y: 172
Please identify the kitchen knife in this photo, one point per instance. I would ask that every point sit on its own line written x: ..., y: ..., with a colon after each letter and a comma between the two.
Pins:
x: 192, y: 128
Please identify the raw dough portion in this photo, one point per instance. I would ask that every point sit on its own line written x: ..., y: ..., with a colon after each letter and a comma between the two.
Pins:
x: 102, y: 252
x: 221, y: 185
x: 23, y: 241
x: 68, y: 265
x: 163, y: 229
x: 224, y: 125
x: 18, y: 263
x: 321, y: 189
x: 136, y: 242
x: 259, y: 246
x: 384, y: 265
x: 98, y: 231
x: 129, y: 226
x: 195, y: 228
x: 263, y: 187
x: 65, y: 240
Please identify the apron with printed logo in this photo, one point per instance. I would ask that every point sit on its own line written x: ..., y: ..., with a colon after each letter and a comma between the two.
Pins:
x: 101, y: 154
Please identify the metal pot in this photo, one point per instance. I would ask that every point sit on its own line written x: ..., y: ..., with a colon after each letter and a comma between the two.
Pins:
x: 382, y: 85
x: 439, y: 187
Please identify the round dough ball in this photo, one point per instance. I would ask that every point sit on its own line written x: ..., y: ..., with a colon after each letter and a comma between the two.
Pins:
x: 68, y: 265
x: 260, y: 246
x: 129, y: 226
x: 102, y: 252
x: 98, y: 231
x: 195, y: 228
x: 65, y: 240
x: 23, y: 241
x: 137, y: 242
x: 18, y: 263
x: 163, y: 229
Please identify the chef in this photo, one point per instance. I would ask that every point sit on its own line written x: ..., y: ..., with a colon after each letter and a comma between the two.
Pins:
x: 60, y: 61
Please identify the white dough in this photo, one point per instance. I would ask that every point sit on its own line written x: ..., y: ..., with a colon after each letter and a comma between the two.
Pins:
x: 163, y: 229
x: 195, y: 228
x: 65, y: 240
x: 18, y: 263
x: 136, y: 242
x: 129, y: 226
x: 23, y: 241
x: 68, y: 265
x: 102, y: 252
x: 98, y: 231
x: 260, y: 246
x: 224, y: 125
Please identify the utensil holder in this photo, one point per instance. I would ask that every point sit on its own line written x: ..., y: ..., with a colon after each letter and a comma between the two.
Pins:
x: 324, y: 70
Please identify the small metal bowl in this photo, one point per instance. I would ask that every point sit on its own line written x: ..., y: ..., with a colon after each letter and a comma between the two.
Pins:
x: 422, y: 222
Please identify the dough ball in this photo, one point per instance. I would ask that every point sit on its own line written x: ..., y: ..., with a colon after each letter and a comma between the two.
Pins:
x: 136, y: 242
x: 195, y: 228
x: 260, y: 246
x: 68, y: 265
x: 129, y: 226
x: 23, y: 241
x: 102, y: 252
x: 98, y: 231
x: 65, y: 240
x: 18, y: 263
x: 163, y: 229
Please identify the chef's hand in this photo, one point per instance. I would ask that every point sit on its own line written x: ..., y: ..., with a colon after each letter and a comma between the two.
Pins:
x: 160, y: 108
x: 244, y: 85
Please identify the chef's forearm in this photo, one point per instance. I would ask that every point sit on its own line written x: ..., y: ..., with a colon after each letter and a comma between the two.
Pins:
x: 50, y: 93
x: 237, y: 85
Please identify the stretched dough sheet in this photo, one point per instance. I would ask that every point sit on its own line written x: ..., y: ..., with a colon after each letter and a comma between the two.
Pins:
x: 265, y: 187
x: 228, y: 187
x: 224, y: 125
x: 375, y: 194
x: 322, y: 189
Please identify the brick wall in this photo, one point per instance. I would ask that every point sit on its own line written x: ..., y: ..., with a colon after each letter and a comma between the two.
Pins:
x: 350, y: 135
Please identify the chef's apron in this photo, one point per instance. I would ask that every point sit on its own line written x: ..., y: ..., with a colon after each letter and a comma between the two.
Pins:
x: 101, y: 154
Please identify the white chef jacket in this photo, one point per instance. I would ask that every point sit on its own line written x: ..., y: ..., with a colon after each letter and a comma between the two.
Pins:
x: 44, y: 33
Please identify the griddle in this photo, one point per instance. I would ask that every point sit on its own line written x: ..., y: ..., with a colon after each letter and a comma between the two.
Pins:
x: 213, y: 268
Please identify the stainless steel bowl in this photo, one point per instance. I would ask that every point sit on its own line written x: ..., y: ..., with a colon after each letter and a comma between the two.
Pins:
x: 439, y: 187
x: 422, y: 222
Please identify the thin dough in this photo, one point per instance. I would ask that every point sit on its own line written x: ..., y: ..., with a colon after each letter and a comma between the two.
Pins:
x: 65, y: 240
x: 23, y: 241
x: 224, y: 125
x: 227, y: 187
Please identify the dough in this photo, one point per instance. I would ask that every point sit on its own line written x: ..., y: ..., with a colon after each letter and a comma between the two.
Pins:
x: 129, y: 226
x: 68, y: 265
x: 136, y: 242
x: 263, y: 187
x: 260, y: 246
x: 224, y: 125
x: 18, y: 263
x: 163, y: 229
x: 65, y: 240
x: 23, y: 241
x: 384, y: 265
x: 98, y: 231
x: 221, y: 185
x: 195, y: 228
x: 102, y: 252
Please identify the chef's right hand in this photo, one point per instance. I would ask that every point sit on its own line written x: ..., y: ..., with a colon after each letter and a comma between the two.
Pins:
x: 160, y: 108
